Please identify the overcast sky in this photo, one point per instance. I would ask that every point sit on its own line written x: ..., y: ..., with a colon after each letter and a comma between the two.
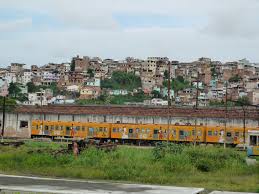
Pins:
x: 42, y: 31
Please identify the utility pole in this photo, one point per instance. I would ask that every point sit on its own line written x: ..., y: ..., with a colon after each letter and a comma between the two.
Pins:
x: 196, y: 107
x: 41, y: 94
x: 169, y: 100
x: 226, y: 110
x: 3, y: 124
x: 244, y: 125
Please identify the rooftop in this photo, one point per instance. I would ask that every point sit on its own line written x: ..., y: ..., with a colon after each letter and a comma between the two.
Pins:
x: 252, y: 113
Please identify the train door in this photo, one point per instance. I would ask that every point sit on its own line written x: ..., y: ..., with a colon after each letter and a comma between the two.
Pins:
x: 230, y: 136
x: 131, y: 133
x: 156, y: 134
x: 68, y: 130
x: 90, y: 131
x: 253, y: 143
x: 181, y: 135
x: 46, y: 129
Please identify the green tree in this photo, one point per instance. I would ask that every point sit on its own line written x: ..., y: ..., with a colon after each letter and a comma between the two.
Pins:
x: 243, y: 101
x: 235, y: 78
x: 8, y: 101
x: 22, y: 98
x: 90, y: 72
x: 122, y: 80
x: 31, y: 87
x: 54, y: 88
x: 177, y: 84
x: 72, y: 65
x: 14, y: 90
x: 166, y: 75
x: 180, y: 79
x: 156, y: 94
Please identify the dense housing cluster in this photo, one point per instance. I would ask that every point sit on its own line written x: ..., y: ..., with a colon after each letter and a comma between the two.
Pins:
x: 86, y: 80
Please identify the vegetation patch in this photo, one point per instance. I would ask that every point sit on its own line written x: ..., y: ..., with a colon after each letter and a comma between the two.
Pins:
x: 173, y: 164
x: 122, y: 80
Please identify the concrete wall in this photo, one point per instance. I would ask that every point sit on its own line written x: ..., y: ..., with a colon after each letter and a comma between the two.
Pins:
x: 13, y: 121
x: 13, y: 126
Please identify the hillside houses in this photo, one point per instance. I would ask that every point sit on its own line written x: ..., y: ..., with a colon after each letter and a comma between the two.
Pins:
x: 83, y: 76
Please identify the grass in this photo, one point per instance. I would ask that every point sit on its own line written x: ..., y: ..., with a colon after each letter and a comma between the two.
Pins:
x: 208, y: 167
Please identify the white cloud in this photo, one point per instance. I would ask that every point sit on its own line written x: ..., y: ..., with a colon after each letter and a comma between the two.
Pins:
x: 222, y: 30
x: 14, y: 25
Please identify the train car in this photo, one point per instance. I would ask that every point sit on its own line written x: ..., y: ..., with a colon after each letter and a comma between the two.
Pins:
x: 189, y: 133
x: 154, y: 132
x: 35, y: 128
x: 98, y: 130
x: 140, y: 132
x: 132, y: 131
x: 230, y: 135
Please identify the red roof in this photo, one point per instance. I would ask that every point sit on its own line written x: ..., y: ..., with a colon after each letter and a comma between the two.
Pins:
x: 139, y: 111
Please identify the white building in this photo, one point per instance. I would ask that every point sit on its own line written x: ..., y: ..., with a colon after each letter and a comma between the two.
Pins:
x: 73, y: 88
x: 94, y: 82
x: 3, y: 87
x: 156, y: 102
x: 47, y: 78
x: 37, y: 98
x: 26, y: 77
x: 118, y: 92
x: 66, y: 67
x: 10, y: 77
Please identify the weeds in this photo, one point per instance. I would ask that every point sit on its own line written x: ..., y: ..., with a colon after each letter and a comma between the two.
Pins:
x: 209, y: 167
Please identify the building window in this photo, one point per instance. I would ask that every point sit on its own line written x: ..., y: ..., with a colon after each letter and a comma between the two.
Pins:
x: 23, y: 124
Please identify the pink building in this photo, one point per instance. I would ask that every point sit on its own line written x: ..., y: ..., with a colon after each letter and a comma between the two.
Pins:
x: 3, y: 88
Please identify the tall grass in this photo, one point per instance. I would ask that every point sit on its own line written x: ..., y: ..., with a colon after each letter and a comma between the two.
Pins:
x: 209, y: 167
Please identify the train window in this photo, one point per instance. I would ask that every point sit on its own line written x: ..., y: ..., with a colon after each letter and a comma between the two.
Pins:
x: 114, y: 130
x: 37, y: 126
x: 209, y: 133
x: 148, y: 130
x: 61, y: 127
x: 137, y: 130
x: 199, y: 132
x: 83, y: 128
x: 228, y: 134
x: 77, y: 128
x: 52, y: 127
x: 120, y: 130
x: 130, y: 130
x: 193, y: 132
x: 56, y: 127
x: 105, y: 129
x: 215, y: 133
x: 181, y: 132
x: 23, y: 124
x: 253, y: 140
x: 101, y: 129
x: 156, y: 131
x: 143, y: 130
x: 236, y: 134
x: 46, y: 127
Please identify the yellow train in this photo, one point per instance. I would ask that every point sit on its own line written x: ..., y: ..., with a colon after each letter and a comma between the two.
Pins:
x: 140, y: 132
